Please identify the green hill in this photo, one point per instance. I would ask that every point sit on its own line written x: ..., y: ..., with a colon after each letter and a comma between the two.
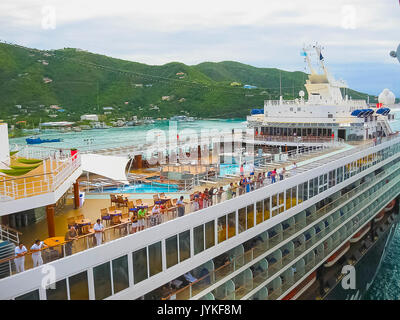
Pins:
x: 81, y: 82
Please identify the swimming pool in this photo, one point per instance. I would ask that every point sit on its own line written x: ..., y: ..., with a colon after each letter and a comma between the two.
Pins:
x: 143, y: 188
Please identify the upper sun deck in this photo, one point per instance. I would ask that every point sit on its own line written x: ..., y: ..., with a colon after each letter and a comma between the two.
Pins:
x: 35, y: 177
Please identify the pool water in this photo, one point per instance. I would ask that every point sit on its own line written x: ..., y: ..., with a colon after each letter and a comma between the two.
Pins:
x: 144, y: 188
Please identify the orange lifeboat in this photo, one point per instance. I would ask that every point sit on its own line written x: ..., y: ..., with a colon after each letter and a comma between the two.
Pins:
x: 390, y: 206
x: 337, y: 255
x: 302, y: 287
x: 360, y: 233
x: 379, y: 216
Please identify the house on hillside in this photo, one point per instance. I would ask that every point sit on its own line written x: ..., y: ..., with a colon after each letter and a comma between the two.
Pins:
x: 55, y: 107
x: 45, y: 63
x: 165, y: 98
x: 180, y: 74
x: 235, y: 84
x: 138, y: 85
x: 108, y: 108
x: 181, y: 100
x: 247, y: 86
x: 47, y: 80
x: 90, y: 117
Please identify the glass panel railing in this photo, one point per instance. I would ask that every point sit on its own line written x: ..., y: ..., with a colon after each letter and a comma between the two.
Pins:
x: 250, y: 255
x: 335, y: 244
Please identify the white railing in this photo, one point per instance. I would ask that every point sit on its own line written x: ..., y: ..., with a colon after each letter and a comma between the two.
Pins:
x: 28, y: 186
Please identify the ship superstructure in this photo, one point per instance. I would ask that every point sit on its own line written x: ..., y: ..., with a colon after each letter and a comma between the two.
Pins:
x: 279, y: 240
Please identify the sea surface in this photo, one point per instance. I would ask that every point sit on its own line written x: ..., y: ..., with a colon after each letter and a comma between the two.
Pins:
x: 128, y: 136
x: 386, y: 285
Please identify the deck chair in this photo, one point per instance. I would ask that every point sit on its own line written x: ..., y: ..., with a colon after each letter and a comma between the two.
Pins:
x: 113, y: 199
x: 71, y: 221
x: 139, y: 202
x: 105, y: 216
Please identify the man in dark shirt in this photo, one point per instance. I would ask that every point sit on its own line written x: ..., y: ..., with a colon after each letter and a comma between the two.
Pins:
x: 69, y: 237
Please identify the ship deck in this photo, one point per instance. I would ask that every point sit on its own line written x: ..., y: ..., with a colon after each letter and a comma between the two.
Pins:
x: 94, y: 203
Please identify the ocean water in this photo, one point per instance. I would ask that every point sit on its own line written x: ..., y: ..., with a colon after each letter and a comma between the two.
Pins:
x: 386, y: 285
x: 127, y: 136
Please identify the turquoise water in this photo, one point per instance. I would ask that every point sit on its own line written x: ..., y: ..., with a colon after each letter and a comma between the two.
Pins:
x: 386, y: 285
x: 143, y: 188
x: 127, y: 136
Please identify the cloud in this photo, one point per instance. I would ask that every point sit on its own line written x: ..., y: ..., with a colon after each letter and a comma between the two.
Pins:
x: 264, y: 33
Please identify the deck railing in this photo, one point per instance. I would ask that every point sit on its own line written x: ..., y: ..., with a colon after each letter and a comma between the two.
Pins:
x: 243, y: 259
x: 31, y: 185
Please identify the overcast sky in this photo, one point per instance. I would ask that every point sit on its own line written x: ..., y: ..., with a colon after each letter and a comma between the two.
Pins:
x: 357, y: 34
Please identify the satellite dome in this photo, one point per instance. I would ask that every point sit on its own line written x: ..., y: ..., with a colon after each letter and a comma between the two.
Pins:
x: 387, y: 97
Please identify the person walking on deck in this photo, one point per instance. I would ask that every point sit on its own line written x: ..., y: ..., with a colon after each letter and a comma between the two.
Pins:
x: 141, y: 218
x: 70, y: 236
x: 273, y: 176
x: 234, y: 189
x: 134, y: 220
x: 181, y: 207
x: 19, y: 260
x: 36, y: 253
x: 219, y: 194
x: 98, y: 232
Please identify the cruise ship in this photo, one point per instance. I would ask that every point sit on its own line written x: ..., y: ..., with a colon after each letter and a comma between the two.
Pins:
x: 312, y: 220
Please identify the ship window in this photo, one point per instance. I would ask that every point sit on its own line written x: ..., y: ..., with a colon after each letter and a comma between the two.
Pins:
x: 140, y: 265
x: 210, y: 234
x: 339, y: 176
x: 259, y: 210
x: 222, y: 233
x: 33, y: 295
x: 231, y: 225
x: 250, y: 216
x: 305, y: 191
x: 198, y: 235
x: 291, y: 109
x: 288, y: 199
x: 323, y: 182
x: 184, y: 245
x: 294, y: 196
x: 57, y: 291
x: 311, y: 190
x: 332, y: 178
x: 315, y: 186
x: 102, y: 281
x: 120, y: 273
x: 155, y: 258
x: 266, y: 208
x: 78, y: 286
x: 171, y: 251
x: 330, y: 115
x: 242, y: 219
x: 298, y: 109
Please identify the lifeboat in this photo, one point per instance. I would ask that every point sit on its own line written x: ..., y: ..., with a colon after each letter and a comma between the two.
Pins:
x: 379, y: 216
x: 360, y: 233
x: 302, y: 287
x: 337, y: 255
x: 390, y: 206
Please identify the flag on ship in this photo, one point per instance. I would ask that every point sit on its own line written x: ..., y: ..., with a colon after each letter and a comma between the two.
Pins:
x: 304, y: 54
x: 321, y: 57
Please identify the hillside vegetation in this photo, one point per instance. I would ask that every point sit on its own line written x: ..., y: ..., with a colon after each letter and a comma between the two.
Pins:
x: 80, y: 83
